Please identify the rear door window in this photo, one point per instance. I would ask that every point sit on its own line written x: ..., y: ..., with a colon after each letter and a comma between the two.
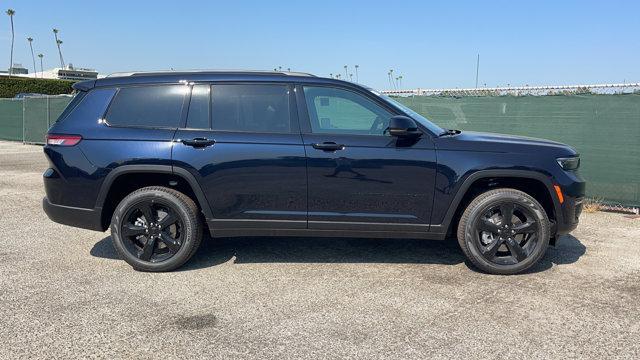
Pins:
x: 158, y: 106
x: 260, y: 108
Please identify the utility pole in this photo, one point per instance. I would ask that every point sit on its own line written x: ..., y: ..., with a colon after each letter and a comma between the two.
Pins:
x: 477, y: 70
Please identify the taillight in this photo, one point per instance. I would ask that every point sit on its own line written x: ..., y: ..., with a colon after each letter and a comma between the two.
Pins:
x: 63, y: 140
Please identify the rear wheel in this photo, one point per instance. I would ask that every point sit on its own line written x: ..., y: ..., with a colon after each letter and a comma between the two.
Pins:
x: 504, y: 231
x: 156, y: 229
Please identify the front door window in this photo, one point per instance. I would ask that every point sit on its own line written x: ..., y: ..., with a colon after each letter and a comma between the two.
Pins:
x: 339, y: 111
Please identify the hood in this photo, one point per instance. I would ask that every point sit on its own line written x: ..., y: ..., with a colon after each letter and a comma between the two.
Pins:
x: 480, y: 141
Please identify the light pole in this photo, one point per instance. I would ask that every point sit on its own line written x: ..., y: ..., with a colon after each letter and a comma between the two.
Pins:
x: 477, y: 70
x: 41, y: 67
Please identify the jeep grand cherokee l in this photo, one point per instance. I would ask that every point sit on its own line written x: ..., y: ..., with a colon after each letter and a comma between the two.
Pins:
x: 161, y: 157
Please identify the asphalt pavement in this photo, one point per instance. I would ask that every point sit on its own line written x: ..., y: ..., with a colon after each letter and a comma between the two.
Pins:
x: 64, y: 293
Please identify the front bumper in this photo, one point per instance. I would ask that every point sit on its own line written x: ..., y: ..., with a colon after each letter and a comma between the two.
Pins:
x: 73, y: 216
x: 571, y: 210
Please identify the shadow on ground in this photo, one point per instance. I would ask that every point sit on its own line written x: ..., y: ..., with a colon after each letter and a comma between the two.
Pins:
x: 343, y: 250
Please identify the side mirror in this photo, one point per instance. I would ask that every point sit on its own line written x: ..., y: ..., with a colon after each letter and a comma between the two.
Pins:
x: 403, y: 127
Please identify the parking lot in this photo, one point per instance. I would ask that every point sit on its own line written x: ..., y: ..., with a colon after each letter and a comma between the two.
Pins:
x: 64, y: 293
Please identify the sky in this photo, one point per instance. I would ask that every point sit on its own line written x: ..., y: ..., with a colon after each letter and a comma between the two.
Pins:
x: 432, y: 44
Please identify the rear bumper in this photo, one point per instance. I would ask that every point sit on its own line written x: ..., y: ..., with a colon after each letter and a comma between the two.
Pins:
x: 73, y: 216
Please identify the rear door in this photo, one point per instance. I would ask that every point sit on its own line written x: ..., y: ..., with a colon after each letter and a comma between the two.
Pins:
x: 242, y: 143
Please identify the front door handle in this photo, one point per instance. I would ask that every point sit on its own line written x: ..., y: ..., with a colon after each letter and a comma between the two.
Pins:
x: 198, y: 142
x: 328, y: 146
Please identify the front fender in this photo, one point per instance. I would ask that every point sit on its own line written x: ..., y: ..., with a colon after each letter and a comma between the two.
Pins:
x: 441, y: 221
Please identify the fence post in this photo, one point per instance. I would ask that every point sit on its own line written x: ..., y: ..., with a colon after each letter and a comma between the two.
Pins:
x: 23, y: 112
x: 48, y: 113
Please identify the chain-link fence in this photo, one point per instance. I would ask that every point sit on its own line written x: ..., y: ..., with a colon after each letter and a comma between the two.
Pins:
x: 28, y: 119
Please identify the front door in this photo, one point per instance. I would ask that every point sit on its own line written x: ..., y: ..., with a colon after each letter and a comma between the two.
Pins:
x: 360, y: 178
x: 242, y: 143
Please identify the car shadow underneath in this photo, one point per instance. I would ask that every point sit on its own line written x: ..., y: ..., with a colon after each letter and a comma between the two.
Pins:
x: 343, y: 250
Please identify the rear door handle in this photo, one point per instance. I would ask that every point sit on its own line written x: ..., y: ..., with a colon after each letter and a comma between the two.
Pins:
x: 328, y: 146
x: 198, y: 142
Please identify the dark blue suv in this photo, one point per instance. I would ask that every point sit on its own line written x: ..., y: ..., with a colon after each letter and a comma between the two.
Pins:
x: 161, y: 157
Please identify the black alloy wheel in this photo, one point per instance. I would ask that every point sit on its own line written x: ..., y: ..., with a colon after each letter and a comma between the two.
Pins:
x: 504, y: 231
x: 152, y: 231
x: 507, y: 233
x: 156, y: 228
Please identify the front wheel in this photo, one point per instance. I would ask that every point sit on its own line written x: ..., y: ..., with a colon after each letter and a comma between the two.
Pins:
x: 156, y: 229
x: 504, y: 231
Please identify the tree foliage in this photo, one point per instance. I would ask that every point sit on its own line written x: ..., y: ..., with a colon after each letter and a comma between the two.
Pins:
x: 10, y: 87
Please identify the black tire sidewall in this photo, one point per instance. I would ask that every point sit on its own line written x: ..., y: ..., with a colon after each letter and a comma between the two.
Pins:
x: 522, y: 199
x: 183, y: 211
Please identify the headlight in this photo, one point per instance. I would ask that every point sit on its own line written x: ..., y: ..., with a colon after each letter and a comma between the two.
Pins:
x: 570, y: 163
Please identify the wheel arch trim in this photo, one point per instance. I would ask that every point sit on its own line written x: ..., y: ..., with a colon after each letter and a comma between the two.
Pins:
x: 165, y: 169
x: 485, y: 174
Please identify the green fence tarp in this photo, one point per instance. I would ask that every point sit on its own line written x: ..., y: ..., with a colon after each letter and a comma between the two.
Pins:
x: 605, y: 129
x: 11, y: 119
x: 29, y: 119
x: 36, y: 120
x: 57, y: 106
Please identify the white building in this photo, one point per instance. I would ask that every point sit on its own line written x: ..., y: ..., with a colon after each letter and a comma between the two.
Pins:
x: 69, y: 72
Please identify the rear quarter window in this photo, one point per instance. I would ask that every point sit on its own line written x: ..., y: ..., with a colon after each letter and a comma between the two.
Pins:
x: 84, y: 111
x: 158, y: 106
x: 72, y: 105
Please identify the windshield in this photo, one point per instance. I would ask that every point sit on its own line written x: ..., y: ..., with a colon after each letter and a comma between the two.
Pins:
x: 435, y: 129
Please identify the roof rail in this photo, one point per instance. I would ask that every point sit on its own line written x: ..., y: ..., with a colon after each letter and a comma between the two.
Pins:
x: 217, y: 71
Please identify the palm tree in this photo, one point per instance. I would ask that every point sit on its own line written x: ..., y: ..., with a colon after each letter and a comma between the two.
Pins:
x: 30, y: 40
x: 400, y: 81
x: 346, y: 72
x: 357, y: 80
x: 331, y: 75
x: 58, y: 43
x: 351, y: 77
x: 11, y: 12
x: 41, y: 67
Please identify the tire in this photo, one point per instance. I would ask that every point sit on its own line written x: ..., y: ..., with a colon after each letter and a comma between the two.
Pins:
x: 156, y: 229
x: 497, y: 243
